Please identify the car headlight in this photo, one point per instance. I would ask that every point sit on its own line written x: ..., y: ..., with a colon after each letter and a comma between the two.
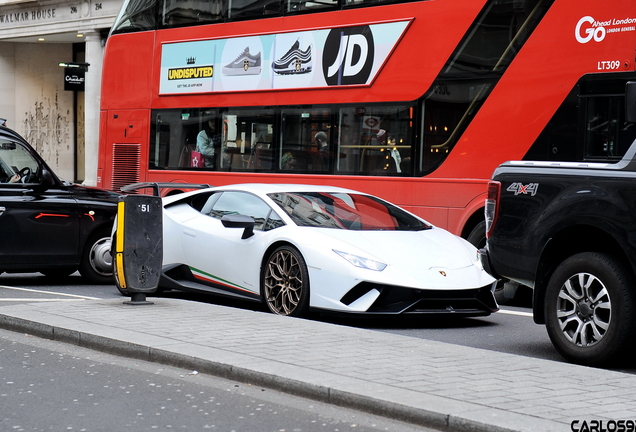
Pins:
x: 362, y: 262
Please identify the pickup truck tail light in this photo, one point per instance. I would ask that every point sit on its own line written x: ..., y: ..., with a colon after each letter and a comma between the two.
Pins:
x: 492, y: 206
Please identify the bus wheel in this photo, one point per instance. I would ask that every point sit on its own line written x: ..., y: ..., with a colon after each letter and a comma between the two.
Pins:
x: 477, y: 236
x: 285, y: 282
x: 590, y: 314
x: 97, y: 262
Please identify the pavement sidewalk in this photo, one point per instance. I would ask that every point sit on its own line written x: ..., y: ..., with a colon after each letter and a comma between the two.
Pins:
x: 434, y: 384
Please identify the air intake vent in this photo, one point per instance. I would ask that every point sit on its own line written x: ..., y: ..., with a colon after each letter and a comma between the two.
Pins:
x: 126, y: 160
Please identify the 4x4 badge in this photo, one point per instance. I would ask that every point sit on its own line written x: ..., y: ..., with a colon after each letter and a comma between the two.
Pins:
x: 520, y: 188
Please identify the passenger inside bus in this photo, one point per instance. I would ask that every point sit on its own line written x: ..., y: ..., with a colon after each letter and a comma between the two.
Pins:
x: 378, y: 160
x: 208, y: 141
x: 288, y: 162
x: 322, y: 143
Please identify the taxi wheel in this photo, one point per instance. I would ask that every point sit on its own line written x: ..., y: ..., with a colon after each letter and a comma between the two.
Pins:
x: 285, y: 282
x: 97, y: 262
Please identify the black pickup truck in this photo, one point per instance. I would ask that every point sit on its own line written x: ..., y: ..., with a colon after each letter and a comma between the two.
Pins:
x: 568, y: 231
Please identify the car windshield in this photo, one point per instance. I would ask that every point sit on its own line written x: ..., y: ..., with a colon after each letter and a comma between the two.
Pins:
x: 345, y: 211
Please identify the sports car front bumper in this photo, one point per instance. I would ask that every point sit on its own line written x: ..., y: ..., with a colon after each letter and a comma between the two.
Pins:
x: 401, y: 300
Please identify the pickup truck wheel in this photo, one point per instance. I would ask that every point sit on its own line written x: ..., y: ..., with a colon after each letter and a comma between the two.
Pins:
x: 590, y: 315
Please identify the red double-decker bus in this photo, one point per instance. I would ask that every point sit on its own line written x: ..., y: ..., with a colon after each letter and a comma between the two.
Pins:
x: 413, y: 101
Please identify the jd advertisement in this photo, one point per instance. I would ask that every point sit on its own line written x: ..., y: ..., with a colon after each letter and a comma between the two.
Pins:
x: 310, y: 59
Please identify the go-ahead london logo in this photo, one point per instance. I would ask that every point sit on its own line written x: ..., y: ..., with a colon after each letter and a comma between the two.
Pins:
x: 588, y: 29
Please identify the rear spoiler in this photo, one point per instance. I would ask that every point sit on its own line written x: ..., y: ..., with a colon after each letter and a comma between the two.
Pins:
x: 157, y: 186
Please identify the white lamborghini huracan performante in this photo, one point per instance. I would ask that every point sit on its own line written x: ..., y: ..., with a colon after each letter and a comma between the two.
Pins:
x: 300, y: 247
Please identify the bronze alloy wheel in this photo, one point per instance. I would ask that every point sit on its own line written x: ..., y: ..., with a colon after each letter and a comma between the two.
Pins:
x: 286, y: 282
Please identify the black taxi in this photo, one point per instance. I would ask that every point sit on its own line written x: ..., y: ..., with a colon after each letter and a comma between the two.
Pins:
x: 49, y: 225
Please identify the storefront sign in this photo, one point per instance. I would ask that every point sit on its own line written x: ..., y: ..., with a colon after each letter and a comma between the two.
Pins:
x: 17, y: 15
x: 29, y: 16
x: 74, y: 79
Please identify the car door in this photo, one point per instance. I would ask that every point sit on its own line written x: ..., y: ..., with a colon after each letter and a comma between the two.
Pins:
x: 218, y: 255
x: 37, y: 227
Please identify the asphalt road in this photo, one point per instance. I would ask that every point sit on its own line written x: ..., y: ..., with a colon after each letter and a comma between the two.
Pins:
x: 510, y: 330
x: 47, y: 385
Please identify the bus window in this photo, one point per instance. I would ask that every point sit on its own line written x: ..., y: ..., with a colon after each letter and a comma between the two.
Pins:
x: 176, y: 133
x: 354, y: 3
x: 136, y: 15
x: 456, y: 96
x: 375, y: 140
x: 371, y: 140
x: 607, y: 135
x: 241, y: 9
x: 589, y: 125
x: 176, y: 13
x: 235, y: 140
x: 600, y: 130
x: 305, y: 140
x: 248, y: 143
x: 272, y: 8
x: 311, y: 5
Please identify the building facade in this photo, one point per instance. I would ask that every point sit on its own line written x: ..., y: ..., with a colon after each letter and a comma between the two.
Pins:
x: 35, y: 37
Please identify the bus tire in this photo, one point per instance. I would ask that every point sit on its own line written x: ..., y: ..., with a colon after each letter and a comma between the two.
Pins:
x: 477, y: 236
x: 589, y: 309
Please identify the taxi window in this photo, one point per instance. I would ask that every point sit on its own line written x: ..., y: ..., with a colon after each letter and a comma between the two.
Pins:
x: 16, y: 163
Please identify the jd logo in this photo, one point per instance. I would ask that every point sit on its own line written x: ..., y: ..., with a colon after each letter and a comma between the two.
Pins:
x: 348, y: 56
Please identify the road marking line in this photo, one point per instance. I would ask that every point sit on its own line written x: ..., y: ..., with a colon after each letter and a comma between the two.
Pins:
x: 511, y: 312
x: 40, y: 300
x: 49, y: 292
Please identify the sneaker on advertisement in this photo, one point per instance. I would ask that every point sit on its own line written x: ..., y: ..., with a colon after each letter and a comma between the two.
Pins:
x: 245, y: 64
x: 295, y: 61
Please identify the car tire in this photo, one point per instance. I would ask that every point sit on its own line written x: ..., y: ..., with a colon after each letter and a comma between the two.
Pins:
x: 97, y: 264
x: 285, y: 282
x: 590, y: 315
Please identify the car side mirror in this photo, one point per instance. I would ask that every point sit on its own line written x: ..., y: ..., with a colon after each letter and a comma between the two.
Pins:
x: 240, y: 221
x: 630, y: 102
x: 46, y: 181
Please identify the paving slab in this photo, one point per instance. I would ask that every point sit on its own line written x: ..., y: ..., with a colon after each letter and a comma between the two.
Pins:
x: 435, y: 384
